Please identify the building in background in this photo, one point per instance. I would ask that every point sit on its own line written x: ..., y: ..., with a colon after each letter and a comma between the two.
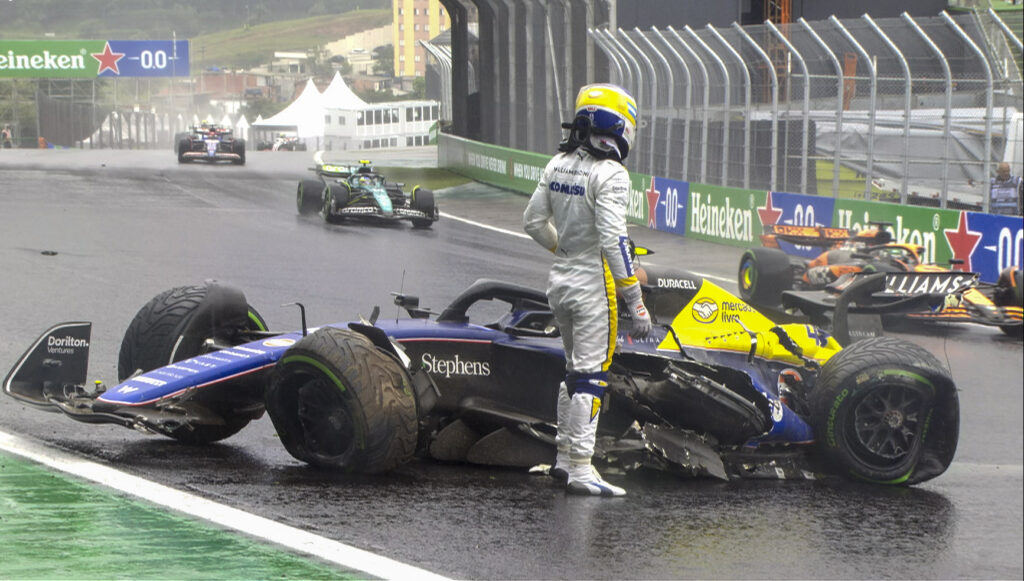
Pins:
x: 415, y: 21
x: 380, y: 125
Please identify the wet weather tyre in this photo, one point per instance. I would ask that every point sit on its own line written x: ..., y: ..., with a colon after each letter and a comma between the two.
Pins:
x: 239, y: 147
x: 1009, y: 294
x: 184, y: 146
x: 309, y: 197
x: 336, y: 196
x: 338, y: 402
x: 423, y: 200
x: 764, y: 273
x: 886, y: 411
x: 173, y: 326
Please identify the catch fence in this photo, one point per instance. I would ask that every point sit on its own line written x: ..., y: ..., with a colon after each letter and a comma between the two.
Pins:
x: 915, y: 110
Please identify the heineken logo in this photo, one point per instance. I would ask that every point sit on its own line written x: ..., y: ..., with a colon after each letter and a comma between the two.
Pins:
x: 45, y: 61
x: 719, y: 220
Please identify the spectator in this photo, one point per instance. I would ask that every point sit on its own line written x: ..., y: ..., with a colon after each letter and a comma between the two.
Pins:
x: 1005, y: 192
x: 7, y: 137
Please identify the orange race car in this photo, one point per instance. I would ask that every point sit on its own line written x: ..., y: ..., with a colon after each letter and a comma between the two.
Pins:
x: 765, y: 273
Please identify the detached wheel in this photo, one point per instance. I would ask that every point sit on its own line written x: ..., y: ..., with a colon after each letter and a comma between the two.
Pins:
x: 764, y: 273
x: 423, y: 200
x: 309, y: 196
x: 886, y: 411
x: 338, y: 402
x: 173, y: 326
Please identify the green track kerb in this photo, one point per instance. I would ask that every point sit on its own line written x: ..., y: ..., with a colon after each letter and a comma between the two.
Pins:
x: 57, y: 527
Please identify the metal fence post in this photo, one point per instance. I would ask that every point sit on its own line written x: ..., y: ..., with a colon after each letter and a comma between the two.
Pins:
x: 907, y: 100
x: 707, y: 107
x: 807, y: 102
x: 948, y: 114
x: 840, y: 81
x: 652, y: 106
x: 686, y: 104
x: 773, y: 181
x: 613, y: 58
x: 988, y: 104
x: 872, y: 103
x: 671, y: 99
x: 746, y: 103
x: 726, y: 102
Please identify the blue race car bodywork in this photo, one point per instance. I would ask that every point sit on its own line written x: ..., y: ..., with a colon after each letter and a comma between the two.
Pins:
x: 718, y: 389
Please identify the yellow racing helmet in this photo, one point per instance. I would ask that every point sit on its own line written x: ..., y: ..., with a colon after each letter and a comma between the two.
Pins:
x: 611, y: 110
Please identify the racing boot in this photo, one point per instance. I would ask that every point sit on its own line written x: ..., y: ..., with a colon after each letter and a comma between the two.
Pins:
x: 560, y: 469
x: 584, y: 412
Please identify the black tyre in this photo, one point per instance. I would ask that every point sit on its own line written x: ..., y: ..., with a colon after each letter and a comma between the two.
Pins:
x: 423, y: 200
x: 764, y: 273
x: 886, y: 411
x: 184, y: 146
x: 178, y: 137
x: 239, y: 147
x: 338, y: 402
x: 309, y: 196
x: 336, y: 196
x: 174, y: 326
x: 1009, y: 292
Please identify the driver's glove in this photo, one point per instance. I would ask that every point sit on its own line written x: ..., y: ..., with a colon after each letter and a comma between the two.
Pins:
x: 637, y: 311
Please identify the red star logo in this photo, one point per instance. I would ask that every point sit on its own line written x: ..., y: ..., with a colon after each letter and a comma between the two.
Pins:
x: 962, y: 242
x: 108, y: 59
x: 653, y: 196
x: 768, y: 214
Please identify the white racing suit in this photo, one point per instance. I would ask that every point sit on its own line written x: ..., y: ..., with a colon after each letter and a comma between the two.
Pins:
x: 578, y: 212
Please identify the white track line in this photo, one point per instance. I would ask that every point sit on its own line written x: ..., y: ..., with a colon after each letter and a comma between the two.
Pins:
x: 486, y: 226
x: 255, y: 526
x: 523, y: 235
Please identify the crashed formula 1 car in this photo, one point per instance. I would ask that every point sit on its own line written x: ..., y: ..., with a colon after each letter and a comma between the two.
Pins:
x: 209, y: 142
x: 342, y: 192
x: 766, y: 274
x: 717, y: 390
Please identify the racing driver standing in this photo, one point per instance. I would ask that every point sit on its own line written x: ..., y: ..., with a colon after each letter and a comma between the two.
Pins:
x: 578, y: 212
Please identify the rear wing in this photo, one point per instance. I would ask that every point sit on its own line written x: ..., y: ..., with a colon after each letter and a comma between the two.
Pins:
x: 58, y: 358
x: 340, y: 170
x: 819, y: 236
x: 856, y: 302
x: 824, y: 236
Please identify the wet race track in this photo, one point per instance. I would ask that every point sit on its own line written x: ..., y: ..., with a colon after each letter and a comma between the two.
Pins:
x: 94, y: 235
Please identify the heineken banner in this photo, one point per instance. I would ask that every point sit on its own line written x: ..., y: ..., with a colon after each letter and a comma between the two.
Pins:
x: 85, y: 59
x: 982, y: 243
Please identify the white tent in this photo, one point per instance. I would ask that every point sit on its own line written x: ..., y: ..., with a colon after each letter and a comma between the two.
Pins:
x: 338, y: 95
x: 242, y: 128
x: 304, y: 115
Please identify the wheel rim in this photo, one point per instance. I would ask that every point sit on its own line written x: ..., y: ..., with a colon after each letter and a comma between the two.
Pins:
x: 748, y: 276
x: 887, y: 423
x: 327, y: 426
